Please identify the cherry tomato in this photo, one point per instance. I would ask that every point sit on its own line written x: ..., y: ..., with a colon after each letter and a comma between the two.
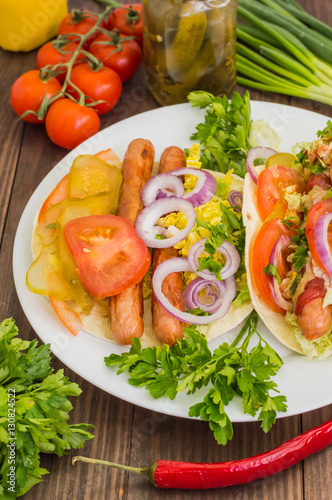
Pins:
x: 271, y: 183
x: 125, y: 20
x: 259, y: 255
x: 314, y: 213
x: 28, y: 92
x: 79, y: 21
x: 50, y: 55
x: 70, y: 319
x: 103, y: 84
x: 68, y: 124
x: 110, y: 257
x: 123, y: 56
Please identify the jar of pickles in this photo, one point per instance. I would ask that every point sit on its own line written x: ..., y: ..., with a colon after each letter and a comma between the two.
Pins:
x: 189, y: 45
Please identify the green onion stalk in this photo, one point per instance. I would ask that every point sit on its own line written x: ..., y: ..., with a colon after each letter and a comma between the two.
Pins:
x: 282, y: 49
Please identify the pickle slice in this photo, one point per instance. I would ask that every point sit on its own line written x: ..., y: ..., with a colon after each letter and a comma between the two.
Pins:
x: 67, y: 261
x: 90, y: 175
x: 44, y: 276
x: 98, y: 204
x: 188, y: 39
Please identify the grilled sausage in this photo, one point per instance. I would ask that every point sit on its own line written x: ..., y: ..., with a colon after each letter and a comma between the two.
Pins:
x: 126, y: 308
x: 166, y: 328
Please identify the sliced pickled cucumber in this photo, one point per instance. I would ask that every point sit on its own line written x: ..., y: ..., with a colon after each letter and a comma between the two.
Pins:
x: 90, y: 175
x: 44, y: 276
x: 182, y: 52
x: 101, y: 203
x: 68, y: 264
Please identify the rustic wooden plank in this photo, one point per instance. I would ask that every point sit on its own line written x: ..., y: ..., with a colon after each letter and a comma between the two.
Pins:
x: 11, y: 130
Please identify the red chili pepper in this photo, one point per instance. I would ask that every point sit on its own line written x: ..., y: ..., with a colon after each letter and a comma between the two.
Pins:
x: 186, y: 475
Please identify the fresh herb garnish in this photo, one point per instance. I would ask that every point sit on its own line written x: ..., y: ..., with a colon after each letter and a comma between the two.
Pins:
x: 327, y: 131
x: 316, y: 165
x: 34, y: 397
x: 295, y: 283
x: 230, y: 229
x: 198, y: 312
x: 160, y: 237
x: 329, y: 193
x: 300, y: 255
x: 52, y: 225
x: 271, y: 270
x: 224, y: 135
x: 259, y: 161
x: 190, y: 365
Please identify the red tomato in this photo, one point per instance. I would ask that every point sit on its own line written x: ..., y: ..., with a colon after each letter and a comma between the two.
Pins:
x: 124, y: 61
x: 79, y: 21
x: 314, y: 213
x: 103, y: 84
x: 271, y: 183
x: 50, y: 55
x: 110, y: 257
x: 68, y: 124
x: 125, y: 20
x: 70, y: 319
x: 259, y: 256
x: 28, y: 92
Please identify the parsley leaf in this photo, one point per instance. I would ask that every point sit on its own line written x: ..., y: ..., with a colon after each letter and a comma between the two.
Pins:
x: 316, y: 165
x: 230, y: 371
x: 271, y: 270
x: 224, y: 135
x: 327, y: 132
x: 37, y: 397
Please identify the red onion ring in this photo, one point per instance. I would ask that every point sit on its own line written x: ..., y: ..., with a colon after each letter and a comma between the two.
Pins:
x: 253, y: 154
x: 283, y: 242
x: 161, y: 184
x: 191, y: 294
x: 322, y: 242
x: 205, y: 188
x: 146, y: 220
x: 235, y: 199
x: 230, y: 253
x: 178, y: 264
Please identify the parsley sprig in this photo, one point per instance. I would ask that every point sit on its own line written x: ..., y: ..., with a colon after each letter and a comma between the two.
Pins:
x: 228, y: 371
x: 230, y: 229
x: 36, y: 398
x: 224, y: 135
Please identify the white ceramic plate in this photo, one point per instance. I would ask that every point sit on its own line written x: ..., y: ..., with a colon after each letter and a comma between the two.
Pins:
x: 303, y: 382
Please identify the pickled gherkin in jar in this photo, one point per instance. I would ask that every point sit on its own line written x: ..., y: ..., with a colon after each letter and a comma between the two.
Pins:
x: 189, y: 45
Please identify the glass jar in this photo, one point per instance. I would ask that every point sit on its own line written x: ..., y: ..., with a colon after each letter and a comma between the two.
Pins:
x: 189, y: 45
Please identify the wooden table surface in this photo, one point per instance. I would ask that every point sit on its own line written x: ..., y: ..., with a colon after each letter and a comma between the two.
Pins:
x: 123, y: 432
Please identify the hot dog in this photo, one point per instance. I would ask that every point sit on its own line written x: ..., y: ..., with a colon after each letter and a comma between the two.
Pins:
x: 126, y: 308
x: 166, y: 328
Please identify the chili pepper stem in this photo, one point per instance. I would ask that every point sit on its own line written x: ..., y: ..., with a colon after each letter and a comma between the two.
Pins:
x: 143, y: 471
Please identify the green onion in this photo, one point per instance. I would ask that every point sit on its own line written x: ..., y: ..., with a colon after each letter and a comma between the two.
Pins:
x: 278, y: 52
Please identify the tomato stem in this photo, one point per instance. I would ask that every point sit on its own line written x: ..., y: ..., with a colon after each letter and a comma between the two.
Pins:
x: 48, y: 72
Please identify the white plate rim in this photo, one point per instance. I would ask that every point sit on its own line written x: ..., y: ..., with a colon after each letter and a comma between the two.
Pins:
x: 171, y: 125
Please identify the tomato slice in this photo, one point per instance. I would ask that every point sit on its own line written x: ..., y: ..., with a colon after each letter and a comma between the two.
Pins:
x: 109, y: 255
x: 318, y: 209
x: 70, y: 319
x: 260, y: 251
x: 109, y: 156
x: 59, y: 193
x: 271, y: 183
